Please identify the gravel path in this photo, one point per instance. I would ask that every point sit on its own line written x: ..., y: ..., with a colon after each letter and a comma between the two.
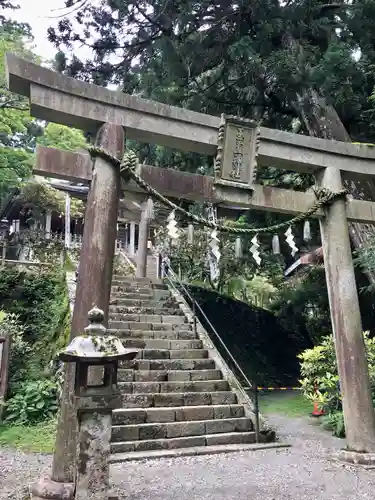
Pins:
x: 302, y: 472
x: 299, y: 473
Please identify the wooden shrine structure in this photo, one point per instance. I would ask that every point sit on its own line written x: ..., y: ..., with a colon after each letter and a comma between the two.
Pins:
x: 240, y: 147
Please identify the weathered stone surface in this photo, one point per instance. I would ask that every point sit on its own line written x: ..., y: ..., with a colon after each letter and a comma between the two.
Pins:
x: 169, y: 399
x: 137, y: 400
x: 94, y: 450
x: 125, y: 433
x: 182, y: 429
x: 151, y: 376
x: 185, y: 442
x: 181, y: 400
x: 129, y: 417
x: 47, y: 489
x: 197, y: 398
x: 161, y: 415
x: 155, y: 354
x: 206, y: 375
x: 179, y: 376
x: 189, y: 354
x: 174, y: 320
x: 152, y: 431
x: 145, y: 387
x: 220, y: 398
x: 194, y: 413
x: 230, y: 438
x: 185, y: 344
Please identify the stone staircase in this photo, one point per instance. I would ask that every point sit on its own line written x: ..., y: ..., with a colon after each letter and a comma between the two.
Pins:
x: 173, y: 394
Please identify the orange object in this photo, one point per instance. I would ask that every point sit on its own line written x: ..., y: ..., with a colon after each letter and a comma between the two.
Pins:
x: 316, y: 412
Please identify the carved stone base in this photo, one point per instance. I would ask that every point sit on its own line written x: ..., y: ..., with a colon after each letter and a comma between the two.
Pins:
x: 47, y: 489
x: 355, y: 458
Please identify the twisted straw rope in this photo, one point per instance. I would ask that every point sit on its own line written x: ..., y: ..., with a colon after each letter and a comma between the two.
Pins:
x: 128, y: 166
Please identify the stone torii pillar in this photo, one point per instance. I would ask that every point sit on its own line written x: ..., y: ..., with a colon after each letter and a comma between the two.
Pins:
x: 94, y: 283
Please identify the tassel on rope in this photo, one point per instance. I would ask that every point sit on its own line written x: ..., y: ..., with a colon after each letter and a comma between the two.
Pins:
x: 190, y: 234
x: 275, y: 244
x: 173, y: 231
x: 306, y: 231
x: 238, y: 248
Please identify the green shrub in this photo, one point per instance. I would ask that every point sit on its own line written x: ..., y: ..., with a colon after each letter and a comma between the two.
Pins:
x: 335, y: 422
x: 319, y: 369
x: 10, y: 324
x: 39, y: 301
x: 33, y: 402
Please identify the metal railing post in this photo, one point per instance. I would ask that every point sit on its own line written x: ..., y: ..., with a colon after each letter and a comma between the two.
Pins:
x: 256, y: 411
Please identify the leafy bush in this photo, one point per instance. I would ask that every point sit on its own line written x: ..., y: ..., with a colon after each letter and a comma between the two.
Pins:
x: 335, y: 422
x: 36, y: 313
x: 319, y: 369
x: 34, y: 402
x: 10, y: 325
x: 39, y: 300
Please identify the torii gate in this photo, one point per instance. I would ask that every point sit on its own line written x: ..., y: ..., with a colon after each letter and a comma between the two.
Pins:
x: 240, y: 148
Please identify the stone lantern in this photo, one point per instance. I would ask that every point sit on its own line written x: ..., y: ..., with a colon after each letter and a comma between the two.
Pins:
x: 96, y: 356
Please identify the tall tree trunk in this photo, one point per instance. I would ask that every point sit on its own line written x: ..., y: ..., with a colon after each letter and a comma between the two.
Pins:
x: 321, y: 120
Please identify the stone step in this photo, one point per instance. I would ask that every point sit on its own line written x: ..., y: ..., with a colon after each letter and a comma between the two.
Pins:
x: 168, y: 376
x: 162, y: 354
x: 151, y: 334
x: 193, y: 451
x: 144, y: 285
x: 169, y: 387
x: 118, y: 293
x: 144, y: 302
x: 169, y: 364
x: 178, y: 399
x: 115, y: 310
x: 173, y: 319
x: 142, y: 432
x: 184, y: 442
x: 138, y: 325
x: 140, y: 343
x: 131, y: 416
x: 131, y: 279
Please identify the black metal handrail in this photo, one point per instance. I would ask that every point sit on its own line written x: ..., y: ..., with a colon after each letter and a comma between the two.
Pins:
x: 173, y: 278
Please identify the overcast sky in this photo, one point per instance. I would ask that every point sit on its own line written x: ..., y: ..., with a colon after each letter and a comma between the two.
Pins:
x: 41, y: 14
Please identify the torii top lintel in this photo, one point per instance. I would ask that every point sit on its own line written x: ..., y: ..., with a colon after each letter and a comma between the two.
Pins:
x: 71, y: 102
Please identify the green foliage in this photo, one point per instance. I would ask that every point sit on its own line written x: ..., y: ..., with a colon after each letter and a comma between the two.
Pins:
x: 34, y: 402
x: 39, y: 438
x: 39, y: 300
x: 319, y: 370
x: 302, y: 304
x: 239, y: 277
x: 334, y: 422
x: 41, y: 196
x: 255, y: 59
x: 61, y: 137
x: 10, y: 324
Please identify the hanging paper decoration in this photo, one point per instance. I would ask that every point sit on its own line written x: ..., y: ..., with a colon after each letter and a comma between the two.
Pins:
x: 150, y: 209
x: 254, y: 250
x: 214, y: 255
x: 275, y: 244
x: 290, y: 241
x: 190, y: 234
x: 173, y: 231
x: 238, y: 248
x: 306, y: 231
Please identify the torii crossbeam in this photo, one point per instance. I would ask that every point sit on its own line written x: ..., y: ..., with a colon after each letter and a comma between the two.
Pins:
x: 240, y: 147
